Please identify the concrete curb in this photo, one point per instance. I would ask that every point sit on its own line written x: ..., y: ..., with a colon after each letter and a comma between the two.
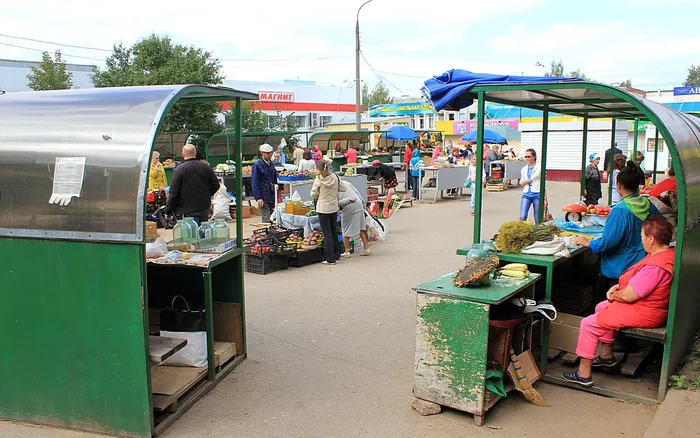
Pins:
x: 678, y: 416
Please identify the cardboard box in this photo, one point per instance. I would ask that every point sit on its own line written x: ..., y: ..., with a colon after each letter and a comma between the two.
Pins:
x: 151, y: 230
x: 372, y: 191
x: 254, y: 211
x: 245, y: 210
x: 228, y: 326
x: 564, y: 332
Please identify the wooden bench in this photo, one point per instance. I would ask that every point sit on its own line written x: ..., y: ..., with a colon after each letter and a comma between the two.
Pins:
x: 634, y: 361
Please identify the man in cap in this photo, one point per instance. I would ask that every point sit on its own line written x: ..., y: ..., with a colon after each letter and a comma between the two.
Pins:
x: 264, y: 178
x: 193, y: 185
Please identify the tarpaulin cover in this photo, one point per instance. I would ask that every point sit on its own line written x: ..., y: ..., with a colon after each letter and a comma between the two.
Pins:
x: 490, y: 137
x: 401, y: 133
x: 447, y: 90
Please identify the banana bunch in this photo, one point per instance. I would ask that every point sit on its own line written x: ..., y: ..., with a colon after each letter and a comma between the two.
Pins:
x: 514, y: 270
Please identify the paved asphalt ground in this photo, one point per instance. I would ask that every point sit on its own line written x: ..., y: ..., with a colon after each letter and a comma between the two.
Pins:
x: 331, y: 349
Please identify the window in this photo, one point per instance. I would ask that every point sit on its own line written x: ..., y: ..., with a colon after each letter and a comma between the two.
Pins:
x: 413, y: 123
x: 300, y: 121
x: 421, y: 122
x: 452, y: 116
x: 273, y: 121
x: 441, y: 116
x: 431, y: 121
x: 462, y: 116
x: 651, y: 144
x: 325, y: 120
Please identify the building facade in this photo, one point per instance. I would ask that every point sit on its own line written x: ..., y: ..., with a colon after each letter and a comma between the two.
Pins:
x: 313, y: 106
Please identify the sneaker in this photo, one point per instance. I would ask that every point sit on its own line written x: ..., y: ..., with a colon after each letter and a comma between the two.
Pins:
x: 325, y: 262
x: 599, y: 362
x: 573, y: 377
x: 346, y: 254
x: 366, y: 252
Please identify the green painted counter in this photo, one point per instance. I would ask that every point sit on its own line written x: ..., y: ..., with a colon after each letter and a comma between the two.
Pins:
x: 500, y: 290
x: 455, y: 339
x: 337, y: 162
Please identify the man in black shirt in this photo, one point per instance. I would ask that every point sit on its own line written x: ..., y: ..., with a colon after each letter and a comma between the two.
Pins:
x: 193, y: 185
x: 609, y: 154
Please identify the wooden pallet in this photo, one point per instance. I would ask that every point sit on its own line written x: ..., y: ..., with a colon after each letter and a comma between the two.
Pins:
x: 495, y: 187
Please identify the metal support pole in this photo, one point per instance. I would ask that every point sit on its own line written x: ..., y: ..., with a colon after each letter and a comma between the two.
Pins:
x: 478, y: 190
x: 656, y: 152
x: 636, y: 141
x: 584, y: 155
x: 612, y: 160
x: 543, y: 162
x: 238, y: 153
x: 358, y: 85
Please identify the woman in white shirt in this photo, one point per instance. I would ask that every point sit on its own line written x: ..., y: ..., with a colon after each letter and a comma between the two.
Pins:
x: 326, y: 187
x: 530, y: 181
x: 307, y: 163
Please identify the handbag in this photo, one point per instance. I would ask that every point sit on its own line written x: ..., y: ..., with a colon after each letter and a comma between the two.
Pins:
x: 182, y: 320
x: 185, y: 324
x: 468, y: 184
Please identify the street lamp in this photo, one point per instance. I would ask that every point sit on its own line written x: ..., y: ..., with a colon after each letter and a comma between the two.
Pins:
x: 358, y: 115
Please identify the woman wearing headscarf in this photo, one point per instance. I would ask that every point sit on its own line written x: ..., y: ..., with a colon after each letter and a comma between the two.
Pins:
x: 317, y: 154
x: 352, y: 219
x: 593, y: 191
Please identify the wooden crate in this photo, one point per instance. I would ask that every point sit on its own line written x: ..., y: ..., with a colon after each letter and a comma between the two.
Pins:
x: 496, y: 187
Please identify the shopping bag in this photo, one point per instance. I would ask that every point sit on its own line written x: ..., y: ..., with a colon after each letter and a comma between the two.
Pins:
x: 375, y: 231
x: 186, y: 323
x: 468, y: 184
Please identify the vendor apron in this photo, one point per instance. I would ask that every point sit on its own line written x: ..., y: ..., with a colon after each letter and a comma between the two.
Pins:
x: 649, y: 312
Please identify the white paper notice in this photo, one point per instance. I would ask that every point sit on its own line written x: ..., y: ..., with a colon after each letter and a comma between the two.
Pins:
x: 67, y: 179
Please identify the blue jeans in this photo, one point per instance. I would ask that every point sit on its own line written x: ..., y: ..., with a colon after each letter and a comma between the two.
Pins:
x: 473, y: 196
x: 416, y: 187
x: 525, y: 203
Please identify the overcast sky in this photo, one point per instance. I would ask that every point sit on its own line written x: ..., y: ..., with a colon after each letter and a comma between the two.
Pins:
x: 651, y: 42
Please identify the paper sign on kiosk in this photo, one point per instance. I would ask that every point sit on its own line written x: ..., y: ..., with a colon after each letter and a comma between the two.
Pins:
x: 67, y: 179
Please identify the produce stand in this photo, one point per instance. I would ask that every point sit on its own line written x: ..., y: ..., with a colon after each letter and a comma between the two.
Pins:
x: 512, y: 169
x: 304, y: 187
x: 446, y: 178
x: 328, y: 140
x: 79, y: 287
x: 574, y: 97
x: 456, y: 336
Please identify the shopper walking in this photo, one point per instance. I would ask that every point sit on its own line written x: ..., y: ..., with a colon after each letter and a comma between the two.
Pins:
x: 530, y: 181
x: 417, y: 172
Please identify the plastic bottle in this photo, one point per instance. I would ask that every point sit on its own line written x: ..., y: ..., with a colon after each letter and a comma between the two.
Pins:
x: 207, y: 235
x: 221, y: 231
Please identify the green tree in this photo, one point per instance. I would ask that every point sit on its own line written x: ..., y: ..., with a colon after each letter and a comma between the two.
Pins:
x: 627, y: 83
x: 693, y: 79
x: 557, y: 70
x: 254, y: 120
x: 282, y: 123
x: 51, y: 74
x: 379, y: 95
x: 157, y: 60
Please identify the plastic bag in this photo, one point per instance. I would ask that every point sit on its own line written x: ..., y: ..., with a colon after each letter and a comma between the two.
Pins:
x: 195, y: 352
x: 375, y: 232
x: 221, y: 204
x: 156, y: 249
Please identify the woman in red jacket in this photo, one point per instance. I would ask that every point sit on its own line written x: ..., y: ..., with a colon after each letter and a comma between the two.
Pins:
x: 407, y: 165
x: 639, y: 300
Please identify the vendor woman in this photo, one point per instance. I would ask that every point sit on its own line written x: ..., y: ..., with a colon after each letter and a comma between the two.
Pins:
x: 593, y: 191
x: 640, y: 299
x: 621, y: 244
x: 387, y: 174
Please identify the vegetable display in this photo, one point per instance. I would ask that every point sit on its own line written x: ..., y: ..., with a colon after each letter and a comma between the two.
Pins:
x: 515, y: 235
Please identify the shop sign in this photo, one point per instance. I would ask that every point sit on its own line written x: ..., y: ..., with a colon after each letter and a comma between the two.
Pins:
x: 685, y: 91
x: 465, y: 126
x: 401, y: 109
x: 275, y: 96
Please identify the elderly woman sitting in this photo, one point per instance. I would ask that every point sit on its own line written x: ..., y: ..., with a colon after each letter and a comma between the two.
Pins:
x: 639, y: 300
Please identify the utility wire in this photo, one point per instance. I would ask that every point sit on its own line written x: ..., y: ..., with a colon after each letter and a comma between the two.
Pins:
x: 380, y: 77
x: 54, y: 43
x: 39, y: 50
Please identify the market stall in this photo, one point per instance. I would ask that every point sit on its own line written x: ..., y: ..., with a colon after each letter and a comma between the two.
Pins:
x: 586, y: 100
x: 330, y: 141
x: 303, y: 187
x: 72, y: 216
x: 220, y: 147
x: 446, y: 177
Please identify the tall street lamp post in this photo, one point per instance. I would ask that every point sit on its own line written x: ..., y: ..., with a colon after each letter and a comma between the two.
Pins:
x: 358, y: 115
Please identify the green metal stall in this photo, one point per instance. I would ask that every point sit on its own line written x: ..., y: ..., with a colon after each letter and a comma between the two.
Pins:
x: 682, y: 135
x: 76, y: 285
x: 219, y: 148
x: 327, y: 141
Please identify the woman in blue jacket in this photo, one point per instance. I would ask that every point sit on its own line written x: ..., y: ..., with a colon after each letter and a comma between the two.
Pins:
x: 416, y: 172
x: 621, y: 244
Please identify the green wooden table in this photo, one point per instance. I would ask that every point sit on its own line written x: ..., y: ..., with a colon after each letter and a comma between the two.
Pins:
x: 455, y: 340
x: 549, y: 263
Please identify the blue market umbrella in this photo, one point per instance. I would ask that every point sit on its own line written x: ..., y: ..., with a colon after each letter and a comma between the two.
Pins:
x: 400, y: 133
x: 490, y: 137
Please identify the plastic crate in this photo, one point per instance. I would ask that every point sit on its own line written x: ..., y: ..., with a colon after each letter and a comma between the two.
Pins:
x: 265, y: 264
x: 283, y: 235
x: 305, y: 258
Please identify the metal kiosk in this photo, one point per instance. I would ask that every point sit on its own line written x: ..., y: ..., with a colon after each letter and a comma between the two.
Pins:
x: 75, y: 281
x: 591, y: 100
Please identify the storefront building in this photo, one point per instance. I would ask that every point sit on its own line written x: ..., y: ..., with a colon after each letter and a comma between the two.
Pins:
x: 314, y: 106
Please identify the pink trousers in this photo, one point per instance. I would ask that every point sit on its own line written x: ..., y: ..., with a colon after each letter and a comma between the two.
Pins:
x: 590, y: 333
